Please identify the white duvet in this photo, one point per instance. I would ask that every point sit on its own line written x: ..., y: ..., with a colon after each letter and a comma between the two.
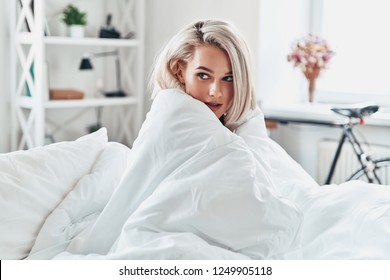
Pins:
x: 196, y: 190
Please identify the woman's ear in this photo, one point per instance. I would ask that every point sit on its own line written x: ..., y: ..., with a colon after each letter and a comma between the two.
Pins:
x: 180, y: 71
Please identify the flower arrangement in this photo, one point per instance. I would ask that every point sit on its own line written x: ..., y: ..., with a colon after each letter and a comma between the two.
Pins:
x: 311, y: 54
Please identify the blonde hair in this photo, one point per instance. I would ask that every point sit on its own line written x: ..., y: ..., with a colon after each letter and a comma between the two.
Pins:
x: 217, y: 33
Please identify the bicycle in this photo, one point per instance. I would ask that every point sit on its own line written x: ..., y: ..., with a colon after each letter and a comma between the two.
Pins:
x: 371, y: 170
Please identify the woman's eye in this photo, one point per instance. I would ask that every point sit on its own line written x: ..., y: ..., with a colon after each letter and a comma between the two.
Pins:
x: 228, y: 78
x: 203, y: 76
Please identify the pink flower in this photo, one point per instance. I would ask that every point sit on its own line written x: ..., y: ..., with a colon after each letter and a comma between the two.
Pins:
x: 311, y: 54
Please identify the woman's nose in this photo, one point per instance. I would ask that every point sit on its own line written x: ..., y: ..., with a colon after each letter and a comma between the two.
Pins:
x: 215, y: 90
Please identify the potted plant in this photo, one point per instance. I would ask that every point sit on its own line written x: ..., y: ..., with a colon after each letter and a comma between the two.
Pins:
x: 75, y: 20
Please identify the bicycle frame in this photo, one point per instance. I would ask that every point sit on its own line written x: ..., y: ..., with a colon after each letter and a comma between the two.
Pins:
x: 362, y: 157
x: 367, y: 164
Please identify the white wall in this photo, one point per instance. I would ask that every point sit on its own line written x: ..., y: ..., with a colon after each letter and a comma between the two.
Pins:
x: 280, y: 23
x: 4, y: 77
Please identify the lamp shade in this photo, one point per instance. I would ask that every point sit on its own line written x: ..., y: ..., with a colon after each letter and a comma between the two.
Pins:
x: 85, y: 64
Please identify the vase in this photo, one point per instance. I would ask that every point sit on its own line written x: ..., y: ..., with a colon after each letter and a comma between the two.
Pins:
x: 312, y: 88
x: 76, y: 31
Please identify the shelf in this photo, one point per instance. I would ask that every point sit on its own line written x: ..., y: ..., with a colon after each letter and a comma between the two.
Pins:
x: 27, y: 38
x: 55, y: 40
x: 50, y: 67
x: 27, y: 102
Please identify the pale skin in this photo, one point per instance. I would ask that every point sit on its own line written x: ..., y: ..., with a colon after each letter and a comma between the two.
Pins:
x: 208, y: 78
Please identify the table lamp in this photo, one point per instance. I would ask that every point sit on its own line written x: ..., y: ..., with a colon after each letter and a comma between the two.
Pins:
x: 86, y: 64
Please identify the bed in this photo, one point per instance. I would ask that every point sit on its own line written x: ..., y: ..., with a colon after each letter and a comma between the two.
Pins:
x: 189, y: 188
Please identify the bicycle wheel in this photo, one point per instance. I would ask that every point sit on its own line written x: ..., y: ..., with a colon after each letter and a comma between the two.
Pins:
x: 380, y: 174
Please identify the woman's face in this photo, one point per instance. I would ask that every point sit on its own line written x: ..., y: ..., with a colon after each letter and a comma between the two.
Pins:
x: 208, y: 78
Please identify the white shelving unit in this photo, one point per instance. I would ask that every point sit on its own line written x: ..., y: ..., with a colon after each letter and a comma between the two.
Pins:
x: 30, y: 92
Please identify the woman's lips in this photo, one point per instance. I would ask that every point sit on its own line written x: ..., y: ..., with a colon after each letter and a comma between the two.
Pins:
x: 213, y: 106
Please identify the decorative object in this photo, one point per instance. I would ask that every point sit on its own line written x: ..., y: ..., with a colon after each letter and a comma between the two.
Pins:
x: 109, y: 31
x: 86, y: 64
x: 60, y: 94
x: 311, y: 54
x: 75, y: 21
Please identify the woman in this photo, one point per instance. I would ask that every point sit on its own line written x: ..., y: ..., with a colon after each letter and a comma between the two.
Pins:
x: 210, y: 61
x: 195, y: 189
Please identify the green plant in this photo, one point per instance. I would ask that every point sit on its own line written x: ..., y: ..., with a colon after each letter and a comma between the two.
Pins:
x: 73, y: 16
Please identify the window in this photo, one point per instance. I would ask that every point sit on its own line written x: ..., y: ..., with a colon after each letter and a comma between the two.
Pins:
x: 357, y: 30
x: 359, y: 33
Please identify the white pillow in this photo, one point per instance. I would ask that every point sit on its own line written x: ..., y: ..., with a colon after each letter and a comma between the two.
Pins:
x: 34, y: 182
x: 83, y: 204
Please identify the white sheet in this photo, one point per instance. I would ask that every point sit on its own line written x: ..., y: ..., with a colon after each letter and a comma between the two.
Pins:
x: 195, y: 190
x: 347, y: 221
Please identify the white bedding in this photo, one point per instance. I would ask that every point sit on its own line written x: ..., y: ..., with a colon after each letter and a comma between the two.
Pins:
x: 195, y: 190
x: 34, y: 182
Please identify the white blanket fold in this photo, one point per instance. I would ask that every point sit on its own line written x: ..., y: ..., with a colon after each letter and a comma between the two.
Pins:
x: 192, y: 179
x: 196, y: 190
